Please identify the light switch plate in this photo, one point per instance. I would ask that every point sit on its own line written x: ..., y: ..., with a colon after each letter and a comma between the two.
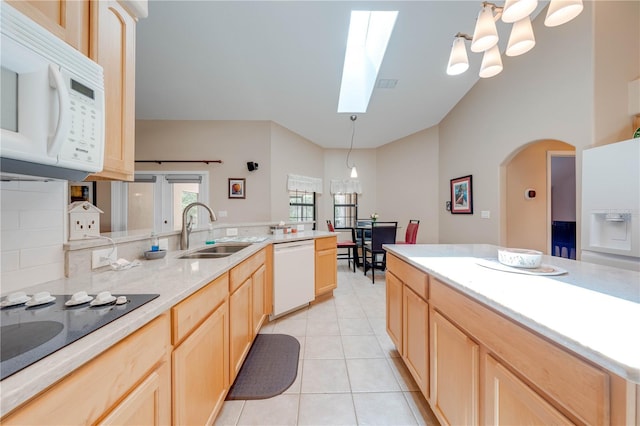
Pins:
x: 485, y: 214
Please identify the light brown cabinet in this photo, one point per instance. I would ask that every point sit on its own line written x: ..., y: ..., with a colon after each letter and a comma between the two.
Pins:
x: 485, y: 368
x: 200, y: 360
x: 508, y: 400
x: 131, y: 381
x: 66, y: 19
x: 326, y: 265
x: 248, y: 287
x: 455, y: 374
x: 113, y: 46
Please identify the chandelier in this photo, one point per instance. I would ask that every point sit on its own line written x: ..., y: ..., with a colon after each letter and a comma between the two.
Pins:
x: 521, y: 40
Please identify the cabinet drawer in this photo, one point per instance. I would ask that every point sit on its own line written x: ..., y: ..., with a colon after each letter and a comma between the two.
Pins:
x: 194, y: 310
x: 240, y: 273
x: 326, y: 243
x: 415, y: 279
x: 578, y: 387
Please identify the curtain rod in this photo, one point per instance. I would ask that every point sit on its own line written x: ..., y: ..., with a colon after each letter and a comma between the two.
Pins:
x: 179, y: 161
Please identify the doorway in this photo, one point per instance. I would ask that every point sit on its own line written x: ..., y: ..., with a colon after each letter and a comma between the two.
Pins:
x: 561, y: 184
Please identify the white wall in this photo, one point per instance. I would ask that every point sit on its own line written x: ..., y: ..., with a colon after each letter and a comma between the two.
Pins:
x: 407, y: 181
x: 33, y: 216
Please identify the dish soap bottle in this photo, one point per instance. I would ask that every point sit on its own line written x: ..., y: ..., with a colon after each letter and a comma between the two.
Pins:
x: 210, y: 239
x: 155, y: 244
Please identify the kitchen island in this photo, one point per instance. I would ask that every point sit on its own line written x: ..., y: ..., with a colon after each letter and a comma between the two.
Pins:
x: 193, y: 293
x: 486, y: 345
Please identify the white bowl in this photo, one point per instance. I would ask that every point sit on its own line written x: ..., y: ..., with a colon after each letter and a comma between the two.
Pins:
x: 520, y: 258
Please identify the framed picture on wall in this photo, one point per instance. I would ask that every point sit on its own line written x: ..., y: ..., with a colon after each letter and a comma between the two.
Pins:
x: 82, y: 191
x: 237, y: 188
x: 461, y: 195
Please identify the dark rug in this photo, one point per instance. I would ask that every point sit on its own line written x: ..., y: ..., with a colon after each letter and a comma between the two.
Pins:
x: 270, y: 368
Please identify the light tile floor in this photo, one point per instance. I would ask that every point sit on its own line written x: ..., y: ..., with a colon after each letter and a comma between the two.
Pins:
x: 349, y: 370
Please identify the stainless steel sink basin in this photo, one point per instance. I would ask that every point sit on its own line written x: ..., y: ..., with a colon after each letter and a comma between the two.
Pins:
x: 215, y: 251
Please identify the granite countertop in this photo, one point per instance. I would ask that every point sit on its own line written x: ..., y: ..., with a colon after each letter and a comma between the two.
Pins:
x: 592, y: 310
x: 174, y: 279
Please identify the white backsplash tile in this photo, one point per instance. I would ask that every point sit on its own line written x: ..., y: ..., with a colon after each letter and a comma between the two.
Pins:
x: 33, y: 226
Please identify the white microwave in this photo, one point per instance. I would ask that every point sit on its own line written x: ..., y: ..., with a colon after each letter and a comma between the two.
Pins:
x: 52, y: 112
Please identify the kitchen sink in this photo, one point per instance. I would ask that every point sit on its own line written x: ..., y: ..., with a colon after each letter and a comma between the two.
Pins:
x: 215, y: 251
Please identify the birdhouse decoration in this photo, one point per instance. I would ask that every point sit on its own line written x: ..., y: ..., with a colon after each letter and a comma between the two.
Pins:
x: 84, y: 220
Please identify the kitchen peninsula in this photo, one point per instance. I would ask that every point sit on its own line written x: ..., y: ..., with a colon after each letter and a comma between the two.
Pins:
x: 200, y: 327
x: 487, y: 346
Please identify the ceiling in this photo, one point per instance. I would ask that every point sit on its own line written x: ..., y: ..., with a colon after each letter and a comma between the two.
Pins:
x: 282, y: 61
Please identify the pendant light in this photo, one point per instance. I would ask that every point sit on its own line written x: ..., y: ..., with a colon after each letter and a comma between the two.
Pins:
x: 491, y: 63
x: 458, y: 59
x: 521, y: 39
x: 562, y: 11
x: 515, y: 10
x: 354, y: 171
x: 485, y: 35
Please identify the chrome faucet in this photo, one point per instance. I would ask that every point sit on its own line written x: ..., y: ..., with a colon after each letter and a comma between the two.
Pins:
x: 187, y: 225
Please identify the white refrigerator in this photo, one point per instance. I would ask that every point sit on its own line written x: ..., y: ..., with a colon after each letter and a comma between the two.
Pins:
x: 611, y: 205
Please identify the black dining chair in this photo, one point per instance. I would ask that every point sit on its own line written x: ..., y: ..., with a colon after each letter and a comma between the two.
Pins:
x: 374, y: 256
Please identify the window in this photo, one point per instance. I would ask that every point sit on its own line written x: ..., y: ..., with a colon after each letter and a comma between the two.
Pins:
x: 345, y: 210
x: 155, y: 200
x: 302, y: 206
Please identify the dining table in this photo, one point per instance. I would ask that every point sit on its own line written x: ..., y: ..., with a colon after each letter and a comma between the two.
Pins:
x: 363, y: 235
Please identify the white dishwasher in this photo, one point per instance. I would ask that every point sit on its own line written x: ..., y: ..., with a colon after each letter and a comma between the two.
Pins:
x: 293, y: 276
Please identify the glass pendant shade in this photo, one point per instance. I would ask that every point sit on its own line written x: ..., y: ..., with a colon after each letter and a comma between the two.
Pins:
x: 562, y: 11
x: 491, y: 63
x: 485, y: 35
x: 458, y: 59
x: 515, y: 10
x: 521, y: 39
x: 354, y: 172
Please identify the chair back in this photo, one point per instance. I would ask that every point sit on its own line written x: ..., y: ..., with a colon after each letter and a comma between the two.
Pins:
x: 412, y: 231
x: 383, y: 233
x: 330, y: 226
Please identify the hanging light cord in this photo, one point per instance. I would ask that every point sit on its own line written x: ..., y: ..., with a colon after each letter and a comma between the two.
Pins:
x: 353, y: 132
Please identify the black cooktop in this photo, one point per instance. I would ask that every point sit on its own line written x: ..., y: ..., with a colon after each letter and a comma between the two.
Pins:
x: 28, y: 334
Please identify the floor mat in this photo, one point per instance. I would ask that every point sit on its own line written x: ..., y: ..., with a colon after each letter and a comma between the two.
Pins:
x: 270, y: 368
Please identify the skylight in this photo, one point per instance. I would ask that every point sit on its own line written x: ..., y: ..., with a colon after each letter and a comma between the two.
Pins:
x: 369, y: 33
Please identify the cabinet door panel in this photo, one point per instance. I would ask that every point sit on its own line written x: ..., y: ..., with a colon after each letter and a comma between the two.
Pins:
x: 66, y: 19
x: 113, y: 47
x: 415, y: 337
x: 509, y: 401
x: 394, y: 310
x: 240, y: 330
x: 147, y: 404
x: 326, y: 274
x: 454, y: 373
x: 258, y: 298
x: 201, y: 371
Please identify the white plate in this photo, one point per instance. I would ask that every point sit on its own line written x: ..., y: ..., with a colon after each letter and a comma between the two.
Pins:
x: 34, y: 302
x: 106, y: 301
x: 72, y: 302
x: 19, y: 301
x: 543, y: 269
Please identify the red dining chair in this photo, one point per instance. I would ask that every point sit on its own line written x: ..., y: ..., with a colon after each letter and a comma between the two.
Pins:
x: 350, y: 246
x: 411, y: 235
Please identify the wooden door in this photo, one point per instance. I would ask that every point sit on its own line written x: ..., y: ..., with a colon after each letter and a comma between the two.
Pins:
x: 394, y: 310
x: 326, y: 274
x: 113, y: 47
x: 201, y: 371
x: 415, y: 338
x: 259, y: 288
x: 509, y: 401
x: 147, y: 404
x: 454, y: 373
x: 240, y: 330
x: 66, y: 19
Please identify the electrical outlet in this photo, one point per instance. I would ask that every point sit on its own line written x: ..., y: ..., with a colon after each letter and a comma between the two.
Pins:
x: 103, y: 257
x: 485, y: 214
x: 163, y: 243
x: 222, y: 213
x: 232, y: 232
